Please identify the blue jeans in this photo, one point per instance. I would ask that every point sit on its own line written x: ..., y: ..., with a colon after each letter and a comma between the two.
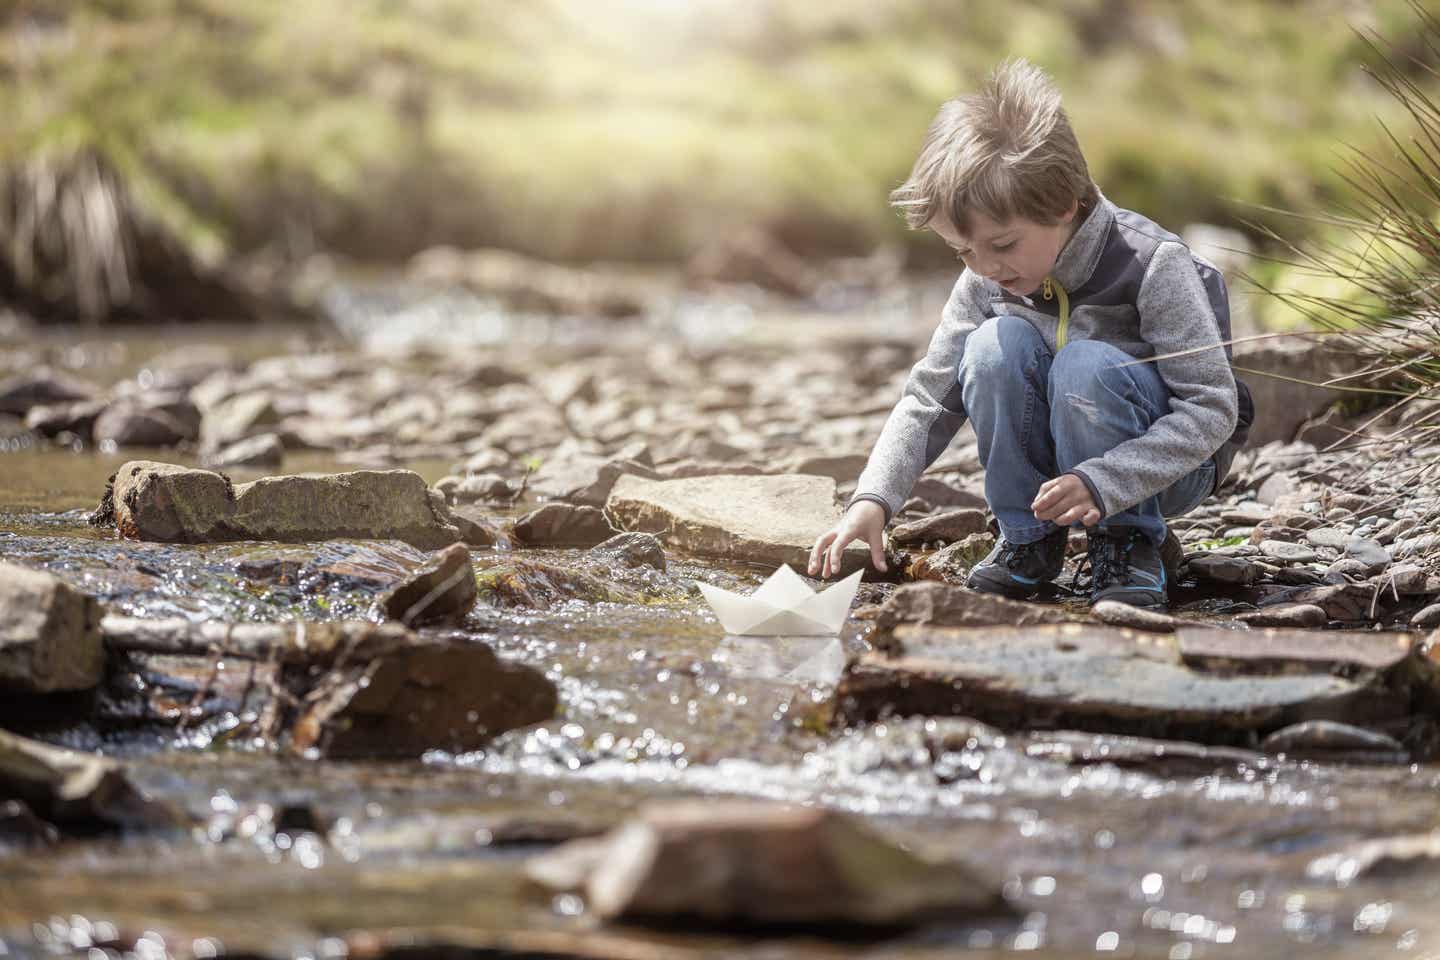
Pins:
x: 1009, y: 378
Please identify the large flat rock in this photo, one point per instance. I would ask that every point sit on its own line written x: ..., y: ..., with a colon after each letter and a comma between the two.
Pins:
x: 1095, y: 677
x: 175, y: 504
x: 753, y: 519
x: 49, y: 633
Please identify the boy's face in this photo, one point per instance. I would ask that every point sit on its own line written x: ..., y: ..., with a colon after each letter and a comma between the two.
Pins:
x: 1016, y: 254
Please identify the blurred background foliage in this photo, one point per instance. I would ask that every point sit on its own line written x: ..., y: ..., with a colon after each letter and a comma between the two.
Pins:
x: 633, y: 130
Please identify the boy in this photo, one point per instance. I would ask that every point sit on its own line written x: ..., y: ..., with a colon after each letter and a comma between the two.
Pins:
x: 1041, y: 345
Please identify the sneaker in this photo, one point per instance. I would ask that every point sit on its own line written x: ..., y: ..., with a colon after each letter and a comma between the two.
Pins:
x: 1126, y: 566
x: 1017, y: 570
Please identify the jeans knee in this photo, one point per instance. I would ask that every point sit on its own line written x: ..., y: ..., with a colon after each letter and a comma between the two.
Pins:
x: 1001, y: 347
x: 1090, y: 369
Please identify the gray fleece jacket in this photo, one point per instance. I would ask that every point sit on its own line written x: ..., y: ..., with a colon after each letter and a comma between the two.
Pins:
x: 1130, y: 283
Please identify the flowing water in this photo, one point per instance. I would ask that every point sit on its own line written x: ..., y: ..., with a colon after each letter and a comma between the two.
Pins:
x: 295, y: 857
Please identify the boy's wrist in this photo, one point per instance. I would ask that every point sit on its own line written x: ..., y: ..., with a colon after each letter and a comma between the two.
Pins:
x: 870, y: 498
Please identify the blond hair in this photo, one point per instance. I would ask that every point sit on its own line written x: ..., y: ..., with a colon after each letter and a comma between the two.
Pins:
x: 1006, y: 151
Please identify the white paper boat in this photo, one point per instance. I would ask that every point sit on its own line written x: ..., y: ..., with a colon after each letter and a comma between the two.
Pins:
x: 784, y: 606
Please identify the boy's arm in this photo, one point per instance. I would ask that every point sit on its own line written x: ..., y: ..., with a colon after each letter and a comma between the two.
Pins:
x: 930, y: 410
x: 1175, y: 315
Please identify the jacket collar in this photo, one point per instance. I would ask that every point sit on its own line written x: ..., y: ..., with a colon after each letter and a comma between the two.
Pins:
x: 1081, y: 253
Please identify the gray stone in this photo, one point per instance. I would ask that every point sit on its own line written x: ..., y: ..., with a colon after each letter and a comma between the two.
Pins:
x: 1408, y: 580
x: 945, y: 527
x: 583, y: 479
x: 1346, y: 570
x: 1271, y: 650
x: 1287, y: 552
x: 563, y: 525
x: 1085, y: 676
x: 1077, y: 748
x: 261, y: 450
x: 41, y: 386
x: 1343, y: 601
x: 1327, y: 737
x: 1369, y: 552
x: 440, y: 591
x: 1286, y: 615
x: 76, y: 417
x: 175, y: 504
x: 758, y: 519
x: 480, y: 486
x: 1282, y: 403
x: 148, y: 421
x: 734, y: 862
x: 236, y: 418
x: 49, y: 633
x: 1332, y: 537
x: 69, y: 787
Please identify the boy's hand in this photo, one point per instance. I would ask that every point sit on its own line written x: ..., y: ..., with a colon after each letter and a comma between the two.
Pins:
x: 865, y: 520
x: 1065, y: 500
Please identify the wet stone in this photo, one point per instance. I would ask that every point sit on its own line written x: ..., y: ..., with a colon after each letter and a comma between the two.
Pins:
x: 1427, y: 618
x: 1287, y: 552
x: 631, y: 550
x: 1078, y: 748
x: 734, y: 862
x: 1120, y: 614
x: 73, y: 788
x: 952, y: 563
x: 1223, y: 569
x: 1320, y: 738
x: 1388, y: 856
x: 563, y: 524
x: 441, y: 591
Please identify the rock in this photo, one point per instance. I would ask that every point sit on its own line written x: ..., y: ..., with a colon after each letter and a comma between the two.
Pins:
x: 535, y: 584
x: 479, y: 486
x: 441, y: 591
x: 41, y: 386
x: 562, y: 524
x: 233, y: 419
x: 1345, y: 601
x: 940, y: 604
x: 1283, y: 402
x: 952, y: 564
x: 1346, y: 570
x: 1369, y: 552
x: 1246, y: 512
x: 1076, y: 748
x: 583, y: 479
x: 478, y: 528
x: 1286, y: 615
x: 1332, y: 537
x: 1408, y: 580
x: 632, y: 550
x: 65, y: 786
x: 941, y: 494
x: 1272, y: 650
x: 1120, y: 614
x: 1222, y: 569
x: 945, y: 527
x: 261, y: 450
x: 432, y: 697
x: 174, y: 504
x: 146, y: 421
x: 734, y: 862
x: 756, y: 519
x: 1085, y: 677
x: 1427, y: 618
x: 49, y: 634
x: 1328, y: 739
x: 76, y: 417
x: 1386, y: 857
x: 1287, y: 552
x: 842, y: 469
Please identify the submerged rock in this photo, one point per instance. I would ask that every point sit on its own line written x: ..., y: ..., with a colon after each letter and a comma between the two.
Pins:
x: 174, y: 504
x: 441, y: 591
x: 764, y: 864
x: 49, y: 633
x: 755, y: 519
x: 632, y: 550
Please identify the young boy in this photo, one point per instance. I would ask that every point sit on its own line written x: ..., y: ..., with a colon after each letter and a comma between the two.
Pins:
x: 1084, y: 342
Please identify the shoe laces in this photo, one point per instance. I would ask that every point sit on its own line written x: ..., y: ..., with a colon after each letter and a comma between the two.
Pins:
x: 1108, y: 558
x: 1013, y: 554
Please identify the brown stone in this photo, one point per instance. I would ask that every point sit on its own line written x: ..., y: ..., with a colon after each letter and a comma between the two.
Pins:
x: 49, y: 633
x: 1275, y: 650
x: 945, y: 527
x: 563, y: 525
x: 441, y: 591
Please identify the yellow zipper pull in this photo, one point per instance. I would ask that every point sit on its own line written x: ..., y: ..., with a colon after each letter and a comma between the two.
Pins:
x: 1047, y: 289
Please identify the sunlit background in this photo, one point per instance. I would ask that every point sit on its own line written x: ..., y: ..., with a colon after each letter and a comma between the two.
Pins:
x: 643, y: 131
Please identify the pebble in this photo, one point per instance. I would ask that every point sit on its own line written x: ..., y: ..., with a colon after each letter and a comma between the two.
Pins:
x: 1327, y: 537
x: 1427, y: 617
x: 1374, y: 556
x: 1286, y: 615
x: 1224, y: 569
x: 1287, y: 552
x: 1120, y: 614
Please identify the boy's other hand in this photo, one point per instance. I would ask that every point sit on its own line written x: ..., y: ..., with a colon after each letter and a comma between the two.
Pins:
x: 865, y: 520
x: 1065, y: 500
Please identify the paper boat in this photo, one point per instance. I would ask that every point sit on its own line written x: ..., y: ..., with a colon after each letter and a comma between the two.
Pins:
x: 784, y: 606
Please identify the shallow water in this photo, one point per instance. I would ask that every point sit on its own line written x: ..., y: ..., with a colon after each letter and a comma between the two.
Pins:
x: 656, y: 703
